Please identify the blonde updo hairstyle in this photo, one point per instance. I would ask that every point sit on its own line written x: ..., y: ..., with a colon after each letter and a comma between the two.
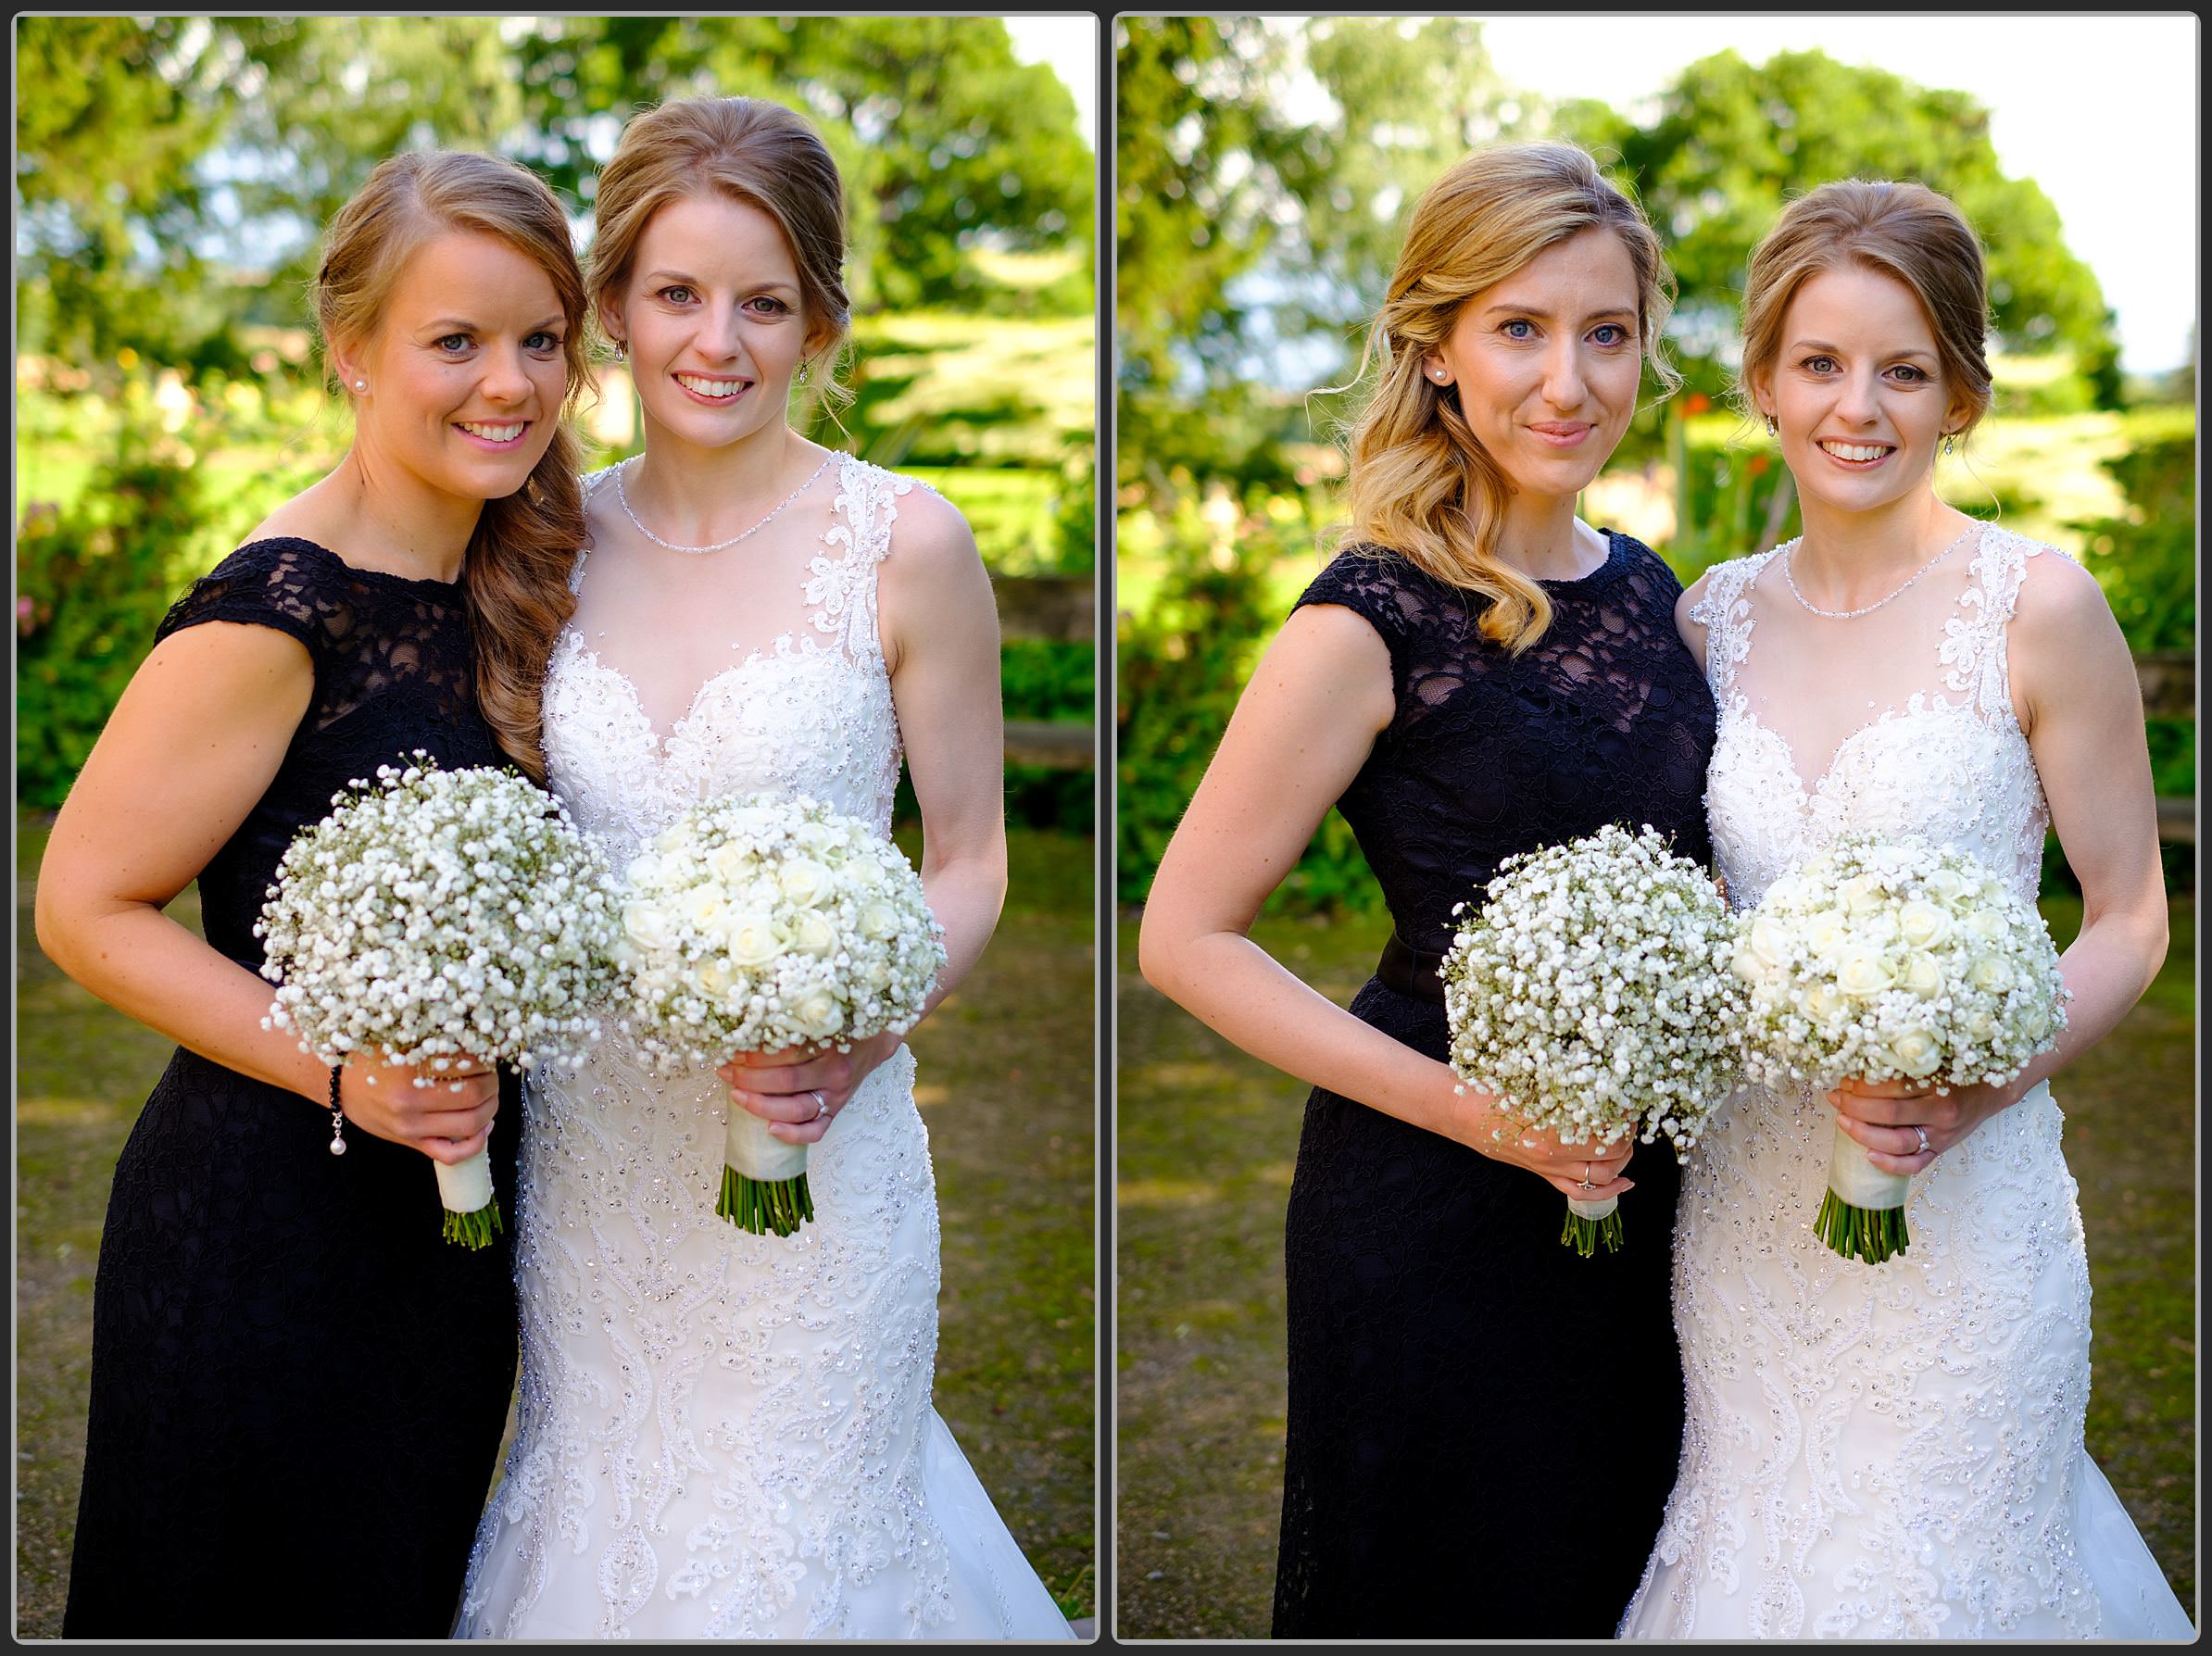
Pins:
x: 1420, y: 482
x: 1900, y: 229
x: 749, y: 150
x: 515, y: 575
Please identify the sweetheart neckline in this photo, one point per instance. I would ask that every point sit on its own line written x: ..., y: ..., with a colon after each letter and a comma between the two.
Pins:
x: 665, y: 743
x: 1739, y: 707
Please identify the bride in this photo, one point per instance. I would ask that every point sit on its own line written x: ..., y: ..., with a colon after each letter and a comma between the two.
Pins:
x: 1895, y: 1452
x: 725, y: 1434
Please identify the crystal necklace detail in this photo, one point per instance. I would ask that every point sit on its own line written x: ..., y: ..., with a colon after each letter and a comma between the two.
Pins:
x: 1791, y: 581
x: 623, y: 497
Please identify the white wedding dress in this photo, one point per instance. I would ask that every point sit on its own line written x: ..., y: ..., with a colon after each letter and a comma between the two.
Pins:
x: 723, y: 1434
x: 1892, y: 1451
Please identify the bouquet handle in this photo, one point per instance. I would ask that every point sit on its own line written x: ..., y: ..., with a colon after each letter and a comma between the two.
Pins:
x: 471, y: 1208
x: 1589, y: 1223
x: 1862, y: 1212
x: 764, y: 1179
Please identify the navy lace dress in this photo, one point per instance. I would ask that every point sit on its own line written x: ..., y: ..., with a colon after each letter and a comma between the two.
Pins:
x: 1483, y: 1426
x: 298, y: 1387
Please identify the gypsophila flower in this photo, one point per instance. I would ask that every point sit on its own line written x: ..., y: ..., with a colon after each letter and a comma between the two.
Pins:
x: 1591, y: 993
x: 441, y: 915
x: 754, y: 925
x: 1877, y: 960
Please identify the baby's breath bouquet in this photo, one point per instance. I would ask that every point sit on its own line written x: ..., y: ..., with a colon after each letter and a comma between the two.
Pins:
x: 1885, y: 961
x: 1591, y: 993
x: 752, y: 924
x: 439, y: 915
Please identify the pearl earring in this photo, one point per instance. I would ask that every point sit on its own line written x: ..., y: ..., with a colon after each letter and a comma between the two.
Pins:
x: 1774, y: 426
x: 622, y: 350
x: 360, y: 385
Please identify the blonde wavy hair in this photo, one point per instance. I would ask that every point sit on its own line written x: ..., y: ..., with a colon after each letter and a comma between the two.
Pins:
x: 1420, y: 482
x: 515, y: 574
x: 1901, y: 230
x: 747, y: 150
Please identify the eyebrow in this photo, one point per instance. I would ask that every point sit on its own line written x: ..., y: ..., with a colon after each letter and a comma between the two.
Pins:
x: 1538, y: 313
x: 685, y: 276
x: 1822, y: 344
x: 455, y: 324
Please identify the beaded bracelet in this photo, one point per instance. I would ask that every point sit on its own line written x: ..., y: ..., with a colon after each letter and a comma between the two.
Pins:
x: 338, y: 1115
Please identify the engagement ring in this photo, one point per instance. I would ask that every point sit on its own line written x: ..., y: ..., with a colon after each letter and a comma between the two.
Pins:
x: 821, y: 1109
x: 1925, y: 1147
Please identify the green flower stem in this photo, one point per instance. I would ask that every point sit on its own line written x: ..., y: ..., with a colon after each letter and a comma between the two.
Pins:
x: 1584, y: 1234
x: 1868, y: 1234
x: 474, y: 1230
x: 761, y: 1205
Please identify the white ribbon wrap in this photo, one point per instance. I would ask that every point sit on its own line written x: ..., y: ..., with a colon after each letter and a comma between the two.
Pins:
x: 466, y: 1188
x: 751, y: 1150
x: 1597, y: 1209
x: 1858, y: 1182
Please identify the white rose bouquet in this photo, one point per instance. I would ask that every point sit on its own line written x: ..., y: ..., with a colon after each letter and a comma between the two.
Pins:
x: 1885, y: 961
x: 750, y: 925
x: 439, y: 915
x: 1591, y: 993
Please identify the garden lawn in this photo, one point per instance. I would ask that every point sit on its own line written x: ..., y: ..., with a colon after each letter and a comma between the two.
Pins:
x: 1006, y: 1088
x: 1206, y: 1139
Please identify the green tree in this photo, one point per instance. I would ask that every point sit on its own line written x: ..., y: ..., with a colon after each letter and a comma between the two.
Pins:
x: 1734, y: 143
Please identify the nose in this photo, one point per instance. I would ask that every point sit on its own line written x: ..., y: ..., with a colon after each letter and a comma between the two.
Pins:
x: 1855, y: 401
x: 719, y: 332
x: 1563, y: 384
x: 506, y: 377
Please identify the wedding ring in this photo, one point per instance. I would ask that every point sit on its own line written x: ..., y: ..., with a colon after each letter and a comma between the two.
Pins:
x: 1925, y: 1146
x: 821, y: 1109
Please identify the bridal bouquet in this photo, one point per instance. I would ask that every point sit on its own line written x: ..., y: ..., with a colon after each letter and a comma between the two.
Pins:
x: 751, y: 924
x: 441, y: 914
x: 1591, y: 993
x: 1886, y: 961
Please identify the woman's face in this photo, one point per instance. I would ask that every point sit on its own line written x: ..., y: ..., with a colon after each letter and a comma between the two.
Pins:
x: 466, y: 374
x: 1547, y: 363
x: 1857, y: 390
x: 713, y: 318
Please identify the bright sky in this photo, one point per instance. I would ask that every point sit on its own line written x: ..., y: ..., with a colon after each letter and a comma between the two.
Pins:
x: 1071, y: 46
x: 2099, y: 110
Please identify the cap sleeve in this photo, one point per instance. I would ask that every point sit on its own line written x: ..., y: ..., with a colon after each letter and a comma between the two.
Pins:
x: 277, y: 583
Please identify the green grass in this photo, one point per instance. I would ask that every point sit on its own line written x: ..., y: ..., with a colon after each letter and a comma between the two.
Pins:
x: 1006, y: 1088
x: 1206, y: 1139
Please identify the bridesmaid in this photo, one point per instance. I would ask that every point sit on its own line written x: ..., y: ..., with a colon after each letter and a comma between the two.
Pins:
x: 1482, y: 1425
x: 298, y: 1388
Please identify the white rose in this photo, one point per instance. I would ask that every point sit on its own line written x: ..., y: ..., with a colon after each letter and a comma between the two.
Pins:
x: 753, y: 940
x: 1862, y: 893
x: 1915, y: 1051
x: 813, y: 934
x: 816, y: 837
x: 644, y: 871
x: 646, y: 926
x: 1828, y: 1006
x: 818, y: 1013
x: 729, y: 862
x: 1923, y: 977
x: 803, y: 881
x: 1863, y: 972
x: 1987, y: 925
x: 1991, y: 973
x: 714, y: 977
x: 1983, y: 1027
x: 1825, y: 934
x: 1770, y: 940
x: 878, y: 920
x: 1923, y: 924
x: 1945, y: 886
x: 703, y: 907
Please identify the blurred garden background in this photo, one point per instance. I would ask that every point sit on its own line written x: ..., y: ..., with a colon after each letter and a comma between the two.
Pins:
x: 172, y: 175
x: 1264, y: 170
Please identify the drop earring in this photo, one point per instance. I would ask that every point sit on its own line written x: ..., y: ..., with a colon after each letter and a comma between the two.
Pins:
x: 622, y: 350
x: 1949, y: 441
x: 802, y: 373
x: 1774, y: 426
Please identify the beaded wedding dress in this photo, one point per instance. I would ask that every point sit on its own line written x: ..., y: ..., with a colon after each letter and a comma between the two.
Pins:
x: 1889, y: 1452
x: 723, y: 1434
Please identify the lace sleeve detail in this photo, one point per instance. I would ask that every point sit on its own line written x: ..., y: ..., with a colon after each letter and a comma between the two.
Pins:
x: 1375, y: 588
x: 1973, y: 651
x: 1724, y: 613
x: 267, y: 583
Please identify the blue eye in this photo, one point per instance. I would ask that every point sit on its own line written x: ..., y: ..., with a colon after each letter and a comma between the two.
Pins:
x: 542, y: 341
x: 775, y: 305
x: 1913, y: 375
x: 1521, y: 323
x: 1619, y: 334
x: 452, y: 341
x: 1820, y: 364
x: 676, y: 294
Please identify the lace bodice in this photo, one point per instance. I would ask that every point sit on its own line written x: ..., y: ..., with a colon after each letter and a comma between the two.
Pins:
x: 806, y: 708
x: 1946, y: 761
x: 1892, y: 1451
x: 1605, y: 718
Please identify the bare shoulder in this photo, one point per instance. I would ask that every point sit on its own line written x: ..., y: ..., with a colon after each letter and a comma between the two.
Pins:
x: 2057, y: 595
x: 929, y: 536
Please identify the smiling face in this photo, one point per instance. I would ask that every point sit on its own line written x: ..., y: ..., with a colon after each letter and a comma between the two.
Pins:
x: 1857, y: 389
x: 712, y: 317
x: 1547, y: 363
x: 465, y: 372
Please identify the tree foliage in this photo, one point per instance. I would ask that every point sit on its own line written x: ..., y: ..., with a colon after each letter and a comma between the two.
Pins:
x: 175, y: 172
x: 1734, y: 143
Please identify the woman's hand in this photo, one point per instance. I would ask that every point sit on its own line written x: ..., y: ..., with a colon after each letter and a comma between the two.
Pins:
x: 1905, y: 1125
x: 449, y: 1120
x: 800, y: 1090
x: 1583, y: 1172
